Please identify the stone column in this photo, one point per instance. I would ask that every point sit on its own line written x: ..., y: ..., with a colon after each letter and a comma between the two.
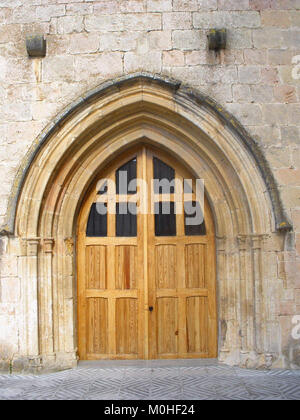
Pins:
x: 222, y: 293
x: 229, y: 298
x: 46, y: 299
x: 63, y: 287
x: 69, y: 292
x: 258, y: 292
x: 31, y: 297
x: 246, y: 294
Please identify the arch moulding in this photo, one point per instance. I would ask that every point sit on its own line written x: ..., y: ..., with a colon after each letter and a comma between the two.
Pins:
x: 51, y: 185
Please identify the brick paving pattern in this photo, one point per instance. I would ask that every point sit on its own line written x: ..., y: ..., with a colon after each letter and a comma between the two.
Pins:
x: 154, y: 380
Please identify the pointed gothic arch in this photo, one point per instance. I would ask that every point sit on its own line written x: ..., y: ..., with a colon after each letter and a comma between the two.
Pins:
x: 65, y: 160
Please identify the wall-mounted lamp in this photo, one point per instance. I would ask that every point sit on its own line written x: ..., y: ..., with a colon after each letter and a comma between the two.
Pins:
x: 217, y: 39
x: 36, y: 46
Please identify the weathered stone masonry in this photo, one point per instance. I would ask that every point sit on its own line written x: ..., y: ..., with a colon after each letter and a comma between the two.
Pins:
x: 256, y: 79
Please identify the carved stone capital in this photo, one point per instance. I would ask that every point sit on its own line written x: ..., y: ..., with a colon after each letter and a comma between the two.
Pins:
x: 244, y: 242
x: 23, y: 247
x: 48, y: 244
x: 221, y: 243
x: 257, y: 241
x: 32, y: 246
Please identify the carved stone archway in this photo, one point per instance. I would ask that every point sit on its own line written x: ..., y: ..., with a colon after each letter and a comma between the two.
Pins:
x: 63, y: 163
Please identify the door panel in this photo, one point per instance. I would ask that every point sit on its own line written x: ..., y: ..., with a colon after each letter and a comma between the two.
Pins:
x: 126, y: 267
x: 97, y: 315
x: 127, y: 326
x: 165, y: 263
x: 167, y: 322
x: 181, y: 287
x: 146, y: 282
x: 96, y: 267
x: 110, y: 277
x: 197, y: 325
x: 195, y: 266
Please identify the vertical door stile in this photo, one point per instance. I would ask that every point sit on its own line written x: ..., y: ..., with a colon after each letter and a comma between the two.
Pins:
x: 111, y: 275
x: 180, y: 271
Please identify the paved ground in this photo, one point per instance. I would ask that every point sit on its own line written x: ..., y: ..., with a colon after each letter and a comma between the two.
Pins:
x: 157, y: 380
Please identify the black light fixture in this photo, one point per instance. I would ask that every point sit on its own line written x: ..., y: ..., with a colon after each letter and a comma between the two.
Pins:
x: 217, y: 39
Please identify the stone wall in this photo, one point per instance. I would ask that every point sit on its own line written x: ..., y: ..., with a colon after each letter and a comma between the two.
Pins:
x: 257, y: 79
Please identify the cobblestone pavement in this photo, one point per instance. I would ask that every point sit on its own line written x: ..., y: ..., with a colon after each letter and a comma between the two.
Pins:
x: 157, y: 380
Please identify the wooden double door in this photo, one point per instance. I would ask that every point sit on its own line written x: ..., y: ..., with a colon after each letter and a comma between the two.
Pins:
x: 146, y: 277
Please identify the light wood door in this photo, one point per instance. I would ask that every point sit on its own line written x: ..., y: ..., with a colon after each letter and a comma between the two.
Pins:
x: 146, y: 284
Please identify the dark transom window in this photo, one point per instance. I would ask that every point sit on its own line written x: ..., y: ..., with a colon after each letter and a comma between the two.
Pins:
x: 126, y: 219
x: 97, y: 221
x: 194, y: 214
x: 126, y: 178
x: 165, y: 219
x: 162, y: 172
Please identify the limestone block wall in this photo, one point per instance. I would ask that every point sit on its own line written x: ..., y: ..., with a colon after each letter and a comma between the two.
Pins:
x: 257, y: 79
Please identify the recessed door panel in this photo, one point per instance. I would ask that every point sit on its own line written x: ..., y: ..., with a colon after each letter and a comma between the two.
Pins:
x: 165, y: 263
x: 197, y: 325
x: 127, y: 326
x: 195, y: 266
x: 126, y: 267
x: 96, y: 267
x: 167, y: 322
x: 97, y: 325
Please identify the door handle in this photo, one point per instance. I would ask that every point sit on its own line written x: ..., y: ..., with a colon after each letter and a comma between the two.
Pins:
x: 150, y: 308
